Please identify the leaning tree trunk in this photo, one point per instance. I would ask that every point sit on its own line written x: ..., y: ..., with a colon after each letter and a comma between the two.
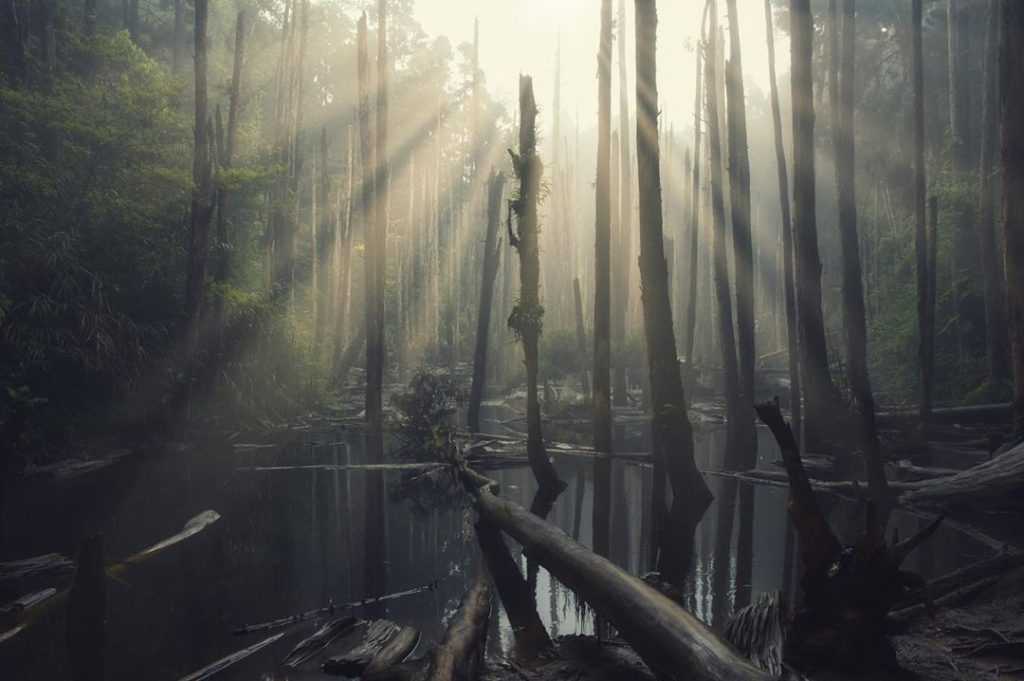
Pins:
x: 624, y: 234
x: 920, y: 227
x: 672, y: 436
x: 855, y: 324
x: 376, y: 240
x: 739, y: 195
x: 1012, y: 89
x: 821, y: 397
x: 787, y: 230
x: 528, y: 315
x: 723, y: 294
x: 991, y: 258
x: 202, y: 188
x: 602, y: 241
x: 495, y: 187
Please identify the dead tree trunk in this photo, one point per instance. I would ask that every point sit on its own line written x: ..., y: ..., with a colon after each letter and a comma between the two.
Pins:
x: 739, y: 195
x: 202, y: 191
x: 460, y: 655
x: 623, y: 241
x: 991, y: 258
x: 674, y: 643
x: 855, y: 323
x: 787, y: 231
x: 695, y: 193
x: 492, y: 256
x: 920, y: 227
x: 723, y: 295
x: 581, y: 336
x: 1011, y: 56
x: 602, y: 241
x: 672, y: 436
x: 376, y: 240
x: 527, y: 317
x: 226, y: 159
x: 821, y: 398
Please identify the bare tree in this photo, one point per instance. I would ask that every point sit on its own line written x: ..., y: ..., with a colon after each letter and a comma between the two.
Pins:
x: 787, y: 231
x: 924, y: 327
x: 202, y: 187
x: 603, y: 229
x: 672, y: 435
x: 820, y: 394
x: 528, y: 315
x: 495, y: 188
x: 1011, y: 57
x: 739, y: 196
x: 623, y: 239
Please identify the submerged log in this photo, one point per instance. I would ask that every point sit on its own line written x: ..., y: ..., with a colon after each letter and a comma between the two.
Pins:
x: 393, y: 653
x: 670, y: 640
x: 327, y: 634
x: 361, y: 644
x: 49, y: 564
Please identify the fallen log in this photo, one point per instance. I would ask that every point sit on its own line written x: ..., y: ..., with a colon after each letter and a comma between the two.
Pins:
x: 225, y: 662
x: 964, y: 577
x: 670, y: 640
x: 38, y: 566
x: 461, y: 651
x: 361, y: 644
x: 995, y: 482
x: 328, y: 610
x: 309, y: 647
x: 394, y: 653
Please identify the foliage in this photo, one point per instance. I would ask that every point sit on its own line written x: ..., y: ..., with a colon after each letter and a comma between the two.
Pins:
x: 427, y: 408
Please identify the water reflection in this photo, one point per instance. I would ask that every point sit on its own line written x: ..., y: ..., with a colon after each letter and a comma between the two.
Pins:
x: 295, y: 540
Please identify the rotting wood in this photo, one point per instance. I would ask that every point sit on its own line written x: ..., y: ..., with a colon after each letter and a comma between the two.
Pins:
x: 670, y: 640
x: 368, y: 638
x: 393, y: 653
x: 324, y: 636
x: 460, y: 653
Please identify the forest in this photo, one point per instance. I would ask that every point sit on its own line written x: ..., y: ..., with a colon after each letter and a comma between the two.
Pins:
x: 425, y: 340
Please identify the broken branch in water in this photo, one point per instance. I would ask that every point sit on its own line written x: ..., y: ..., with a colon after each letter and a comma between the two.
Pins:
x: 37, y: 566
x: 28, y: 615
x: 225, y: 662
x: 329, y: 610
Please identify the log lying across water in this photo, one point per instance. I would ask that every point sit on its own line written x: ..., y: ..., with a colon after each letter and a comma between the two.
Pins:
x: 993, y: 483
x: 674, y: 643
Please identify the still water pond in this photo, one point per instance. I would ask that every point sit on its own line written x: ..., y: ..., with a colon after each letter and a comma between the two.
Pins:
x: 300, y: 537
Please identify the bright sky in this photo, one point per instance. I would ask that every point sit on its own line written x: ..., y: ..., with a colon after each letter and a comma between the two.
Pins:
x: 521, y: 37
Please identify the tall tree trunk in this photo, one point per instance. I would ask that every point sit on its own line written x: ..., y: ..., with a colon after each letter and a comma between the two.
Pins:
x: 739, y: 195
x: 367, y: 202
x: 991, y: 260
x: 202, y: 193
x: 1012, y: 118
x: 581, y: 336
x: 821, y: 396
x: 324, y: 247
x: 624, y: 261
x: 723, y: 295
x: 672, y: 435
x: 920, y: 227
x: 226, y: 158
x: 602, y: 241
x: 787, y: 231
x: 344, y: 295
x: 492, y: 253
x: 855, y: 323
x: 527, y: 317
x: 177, y: 37
x: 377, y: 237
x: 695, y: 194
